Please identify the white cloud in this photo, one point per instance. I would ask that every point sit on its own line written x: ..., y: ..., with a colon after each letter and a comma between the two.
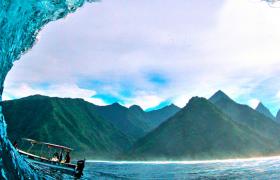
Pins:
x: 144, y: 100
x: 96, y: 101
x: 254, y: 103
x: 181, y: 101
x: 60, y: 90
x: 278, y: 95
x: 230, y: 45
x: 6, y: 97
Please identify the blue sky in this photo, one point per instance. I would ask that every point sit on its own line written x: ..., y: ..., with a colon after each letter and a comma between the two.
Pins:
x: 153, y: 53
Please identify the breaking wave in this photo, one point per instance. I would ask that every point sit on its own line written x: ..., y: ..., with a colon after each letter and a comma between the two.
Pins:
x: 20, y: 22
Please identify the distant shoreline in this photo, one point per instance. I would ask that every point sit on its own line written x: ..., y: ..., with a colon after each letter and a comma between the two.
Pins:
x: 186, y: 162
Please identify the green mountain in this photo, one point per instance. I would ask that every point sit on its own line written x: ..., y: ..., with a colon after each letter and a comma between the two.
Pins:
x: 265, y: 111
x: 200, y: 131
x: 247, y: 116
x: 69, y: 122
x: 134, y: 121
x: 218, y: 128
x: 157, y: 117
x: 102, y: 131
x: 128, y: 120
x: 277, y: 119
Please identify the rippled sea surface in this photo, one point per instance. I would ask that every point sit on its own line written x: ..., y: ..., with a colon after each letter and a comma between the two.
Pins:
x: 259, y: 168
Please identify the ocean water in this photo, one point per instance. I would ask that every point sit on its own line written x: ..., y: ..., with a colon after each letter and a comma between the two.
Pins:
x: 258, y: 168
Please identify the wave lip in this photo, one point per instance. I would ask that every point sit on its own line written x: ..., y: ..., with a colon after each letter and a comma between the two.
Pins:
x: 20, y: 23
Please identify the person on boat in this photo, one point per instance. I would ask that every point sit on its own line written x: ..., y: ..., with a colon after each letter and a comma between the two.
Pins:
x: 15, y: 144
x: 55, y: 157
x: 67, y: 158
x: 60, y: 157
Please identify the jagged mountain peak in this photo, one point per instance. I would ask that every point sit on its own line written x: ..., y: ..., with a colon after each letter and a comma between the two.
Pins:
x: 260, y: 105
x: 219, y: 95
x: 116, y: 104
x: 200, y: 125
x: 135, y: 108
x: 278, y: 117
x: 261, y: 108
x: 173, y: 106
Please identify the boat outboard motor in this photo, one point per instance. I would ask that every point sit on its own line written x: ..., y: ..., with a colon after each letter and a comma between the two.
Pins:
x: 80, y: 168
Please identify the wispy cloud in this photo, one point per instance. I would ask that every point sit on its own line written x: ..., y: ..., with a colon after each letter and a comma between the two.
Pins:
x: 146, y: 52
x: 58, y: 90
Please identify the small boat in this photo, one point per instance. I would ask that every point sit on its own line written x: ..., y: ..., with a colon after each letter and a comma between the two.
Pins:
x: 49, y: 157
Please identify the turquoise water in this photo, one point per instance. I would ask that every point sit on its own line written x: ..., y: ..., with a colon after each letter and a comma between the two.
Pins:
x: 262, y: 168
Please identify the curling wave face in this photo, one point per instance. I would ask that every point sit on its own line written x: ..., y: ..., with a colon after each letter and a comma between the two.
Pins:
x: 20, y: 22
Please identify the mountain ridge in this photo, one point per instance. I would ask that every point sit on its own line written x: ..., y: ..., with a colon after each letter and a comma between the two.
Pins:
x: 204, y: 129
x: 200, y: 131
x: 43, y: 114
x: 65, y: 121
x: 265, y: 111
x: 250, y: 117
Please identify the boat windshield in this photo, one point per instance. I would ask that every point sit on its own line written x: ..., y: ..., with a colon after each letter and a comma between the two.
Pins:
x: 50, y: 151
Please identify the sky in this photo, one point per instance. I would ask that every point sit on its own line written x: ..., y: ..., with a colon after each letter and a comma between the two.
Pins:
x: 153, y: 53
